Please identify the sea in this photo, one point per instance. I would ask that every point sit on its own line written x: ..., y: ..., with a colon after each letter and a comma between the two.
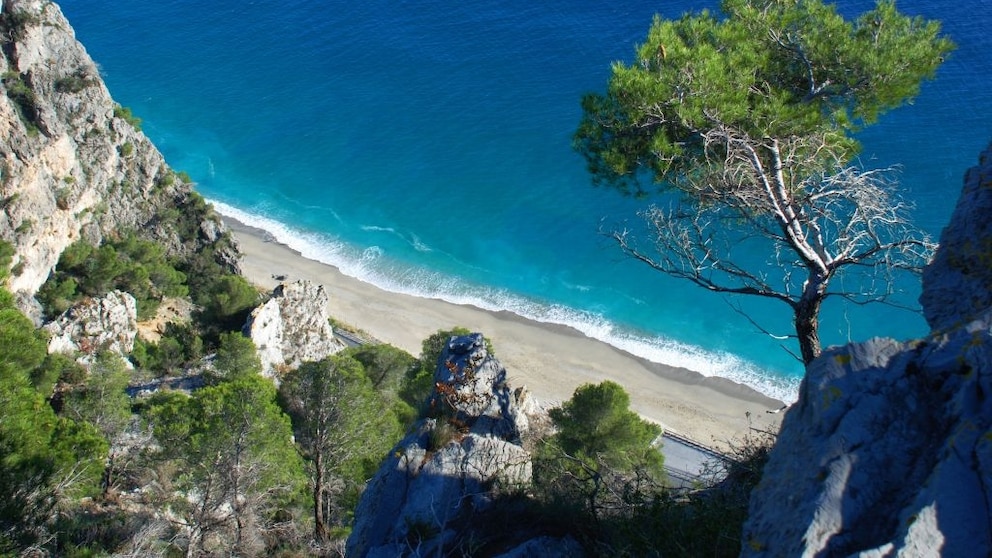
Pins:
x: 425, y: 148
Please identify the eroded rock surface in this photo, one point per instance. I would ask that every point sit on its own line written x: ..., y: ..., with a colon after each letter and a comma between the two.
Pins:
x: 72, y: 163
x: 292, y: 327
x: 453, y: 466
x: 109, y: 323
x: 957, y: 286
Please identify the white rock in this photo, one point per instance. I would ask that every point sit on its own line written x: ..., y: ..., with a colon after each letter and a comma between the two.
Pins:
x: 109, y: 323
x: 292, y: 327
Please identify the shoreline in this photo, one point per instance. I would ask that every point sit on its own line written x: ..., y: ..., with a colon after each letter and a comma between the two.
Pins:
x: 550, y: 360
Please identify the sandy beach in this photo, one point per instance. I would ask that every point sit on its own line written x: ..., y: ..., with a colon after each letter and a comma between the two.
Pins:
x: 551, y: 361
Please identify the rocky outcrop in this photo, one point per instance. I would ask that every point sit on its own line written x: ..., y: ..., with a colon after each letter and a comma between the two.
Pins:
x: 957, y: 286
x: 292, y: 327
x: 72, y: 163
x: 108, y: 323
x: 888, y: 451
x: 455, y: 464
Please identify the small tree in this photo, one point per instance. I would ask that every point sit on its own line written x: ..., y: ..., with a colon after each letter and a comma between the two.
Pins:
x: 236, y: 358
x: 104, y: 403
x: 343, y: 430
x: 236, y: 462
x: 602, y: 451
x: 747, y: 120
x: 596, y: 424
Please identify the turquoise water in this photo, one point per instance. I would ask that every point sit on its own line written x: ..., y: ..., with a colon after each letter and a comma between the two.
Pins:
x: 425, y: 148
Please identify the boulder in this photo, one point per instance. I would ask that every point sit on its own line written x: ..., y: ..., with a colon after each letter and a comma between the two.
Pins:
x: 888, y: 450
x: 109, y: 323
x: 454, y: 465
x: 292, y: 327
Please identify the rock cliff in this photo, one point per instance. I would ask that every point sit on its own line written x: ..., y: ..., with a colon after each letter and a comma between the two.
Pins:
x: 292, y: 327
x: 72, y: 162
x: 452, y: 466
x: 888, y: 451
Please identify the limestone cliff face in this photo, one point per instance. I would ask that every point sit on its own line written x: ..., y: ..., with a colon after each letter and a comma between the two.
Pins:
x: 70, y: 165
x: 888, y: 451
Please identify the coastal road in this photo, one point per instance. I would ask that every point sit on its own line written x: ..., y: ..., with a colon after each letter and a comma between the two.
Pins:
x: 686, y: 461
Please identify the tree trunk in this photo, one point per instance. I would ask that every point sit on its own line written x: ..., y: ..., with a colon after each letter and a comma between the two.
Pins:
x: 807, y: 311
x: 319, y: 521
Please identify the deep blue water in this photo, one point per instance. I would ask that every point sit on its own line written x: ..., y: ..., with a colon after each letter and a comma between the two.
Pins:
x: 425, y: 147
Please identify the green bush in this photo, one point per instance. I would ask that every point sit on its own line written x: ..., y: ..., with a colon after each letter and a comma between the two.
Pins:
x: 226, y: 302
x: 6, y: 256
x: 124, y: 113
x: 130, y: 264
x: 386, y: 367
x: 601, y: 464
x: 707, y: 521
x: 597, y: 426
x: 24, y: 99
x: 45, y: 460
x: 75, y: 83
x: 236, y: 358
x: 15, y: 22
x: 180, y: 345
x: 57, y: 368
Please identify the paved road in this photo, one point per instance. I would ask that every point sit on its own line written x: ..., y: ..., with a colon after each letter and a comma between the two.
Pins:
x: 686, y: 460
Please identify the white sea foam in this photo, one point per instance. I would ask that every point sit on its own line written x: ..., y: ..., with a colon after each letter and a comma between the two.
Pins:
x: 370, y: 265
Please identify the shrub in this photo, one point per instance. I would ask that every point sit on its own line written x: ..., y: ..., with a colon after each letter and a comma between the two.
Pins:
x: 75, y: 83
x: 125, y: 114
x: 708, y: 521
x: 6, y: 256
x: 130, y: 264
x: 236, y: 358
x: 602, y: 462
x: 24, y: 99
x: 180, y: 345
x: 14, y: 22
x: 62, y: 198
x: 597, y: 426
x: 226, y: 302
